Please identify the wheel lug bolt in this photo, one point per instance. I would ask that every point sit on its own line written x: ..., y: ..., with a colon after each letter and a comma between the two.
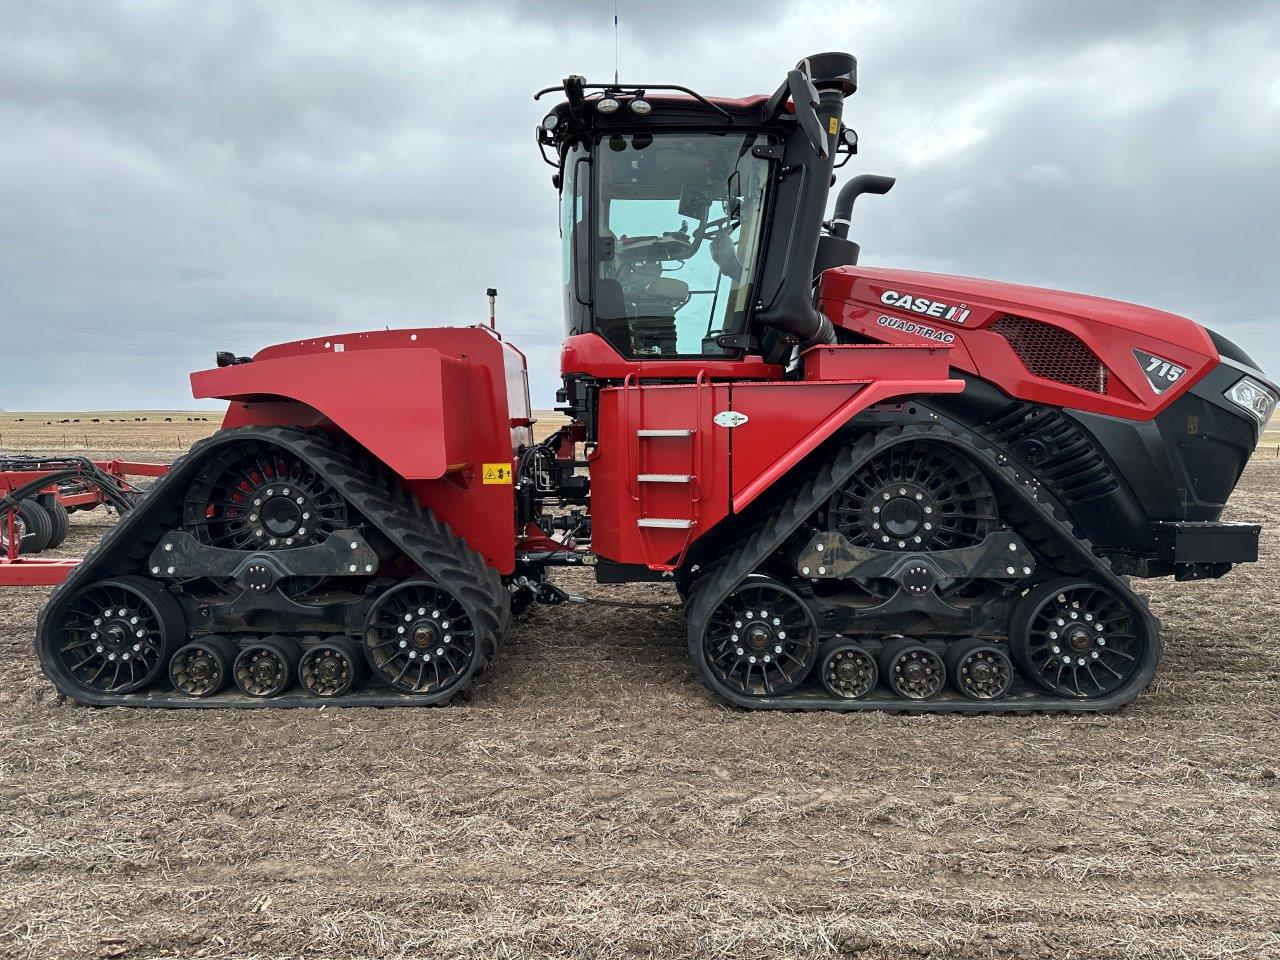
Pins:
x: 777, y: 621
x: 778, y: 648
x: 435, y: 614
x: 98, y: 648
x: 740, y: 651
x: 782, y: 634
x: 404, y: 643
x: 752, y: 659
x: 300, y: 501
x: 93, y: 636
x: 137, y: 646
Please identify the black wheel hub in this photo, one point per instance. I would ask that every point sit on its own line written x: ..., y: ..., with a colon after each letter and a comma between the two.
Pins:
x: 915, y: 496
x: 762, y: 640
x: 901, y: 517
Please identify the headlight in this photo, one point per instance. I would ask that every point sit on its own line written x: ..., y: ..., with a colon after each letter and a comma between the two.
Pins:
x: 550, y: 122
x: 607, y: 105
x: 641, y: 107
x: 1254, y: 397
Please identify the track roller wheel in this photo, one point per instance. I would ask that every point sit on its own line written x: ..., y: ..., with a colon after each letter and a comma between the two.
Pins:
x: 979, y: 670
x: 420, y: 639
x: 762, y: 640
x: 330, y: 668
x: 267, y: 668
x: 203, y: 667
x: 1078, y: 639
x: 60, y: 523
x: 847, y: 670
x: 112, y: 636
x: 911, y: 669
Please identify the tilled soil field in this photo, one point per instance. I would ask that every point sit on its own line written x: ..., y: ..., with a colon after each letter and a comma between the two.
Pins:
x: 592, y: 800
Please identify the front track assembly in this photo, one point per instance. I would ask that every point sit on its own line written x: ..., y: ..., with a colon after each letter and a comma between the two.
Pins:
x: 274, y: 567
x: 918, y: 571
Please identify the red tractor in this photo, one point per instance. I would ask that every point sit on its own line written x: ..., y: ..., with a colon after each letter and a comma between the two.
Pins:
x: 873, y: 488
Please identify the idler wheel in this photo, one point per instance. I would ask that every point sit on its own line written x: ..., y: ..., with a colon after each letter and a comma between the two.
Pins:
x: 848, y: 671
x: 979, y: 670
x: 203, y: 667
x: 331, y: 668
x: 762, y: 641
x: 267, y: 668
x: 113, y: 636
x: 1077, y: 638
x: 419, y: 638
x: 911, y: 669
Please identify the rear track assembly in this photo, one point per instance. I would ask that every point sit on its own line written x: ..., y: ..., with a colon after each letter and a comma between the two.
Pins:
x: 157, y: 561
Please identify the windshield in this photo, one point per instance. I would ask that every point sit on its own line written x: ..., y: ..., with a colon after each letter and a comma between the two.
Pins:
x: 676, y: 237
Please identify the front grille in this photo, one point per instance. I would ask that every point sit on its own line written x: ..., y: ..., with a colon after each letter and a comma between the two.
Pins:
x: 1053, y: 353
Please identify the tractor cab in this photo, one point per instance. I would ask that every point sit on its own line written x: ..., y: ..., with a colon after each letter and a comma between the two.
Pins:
x: 689, y: 224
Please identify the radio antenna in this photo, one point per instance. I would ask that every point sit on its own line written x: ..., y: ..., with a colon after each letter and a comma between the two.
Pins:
x: 615, y: 42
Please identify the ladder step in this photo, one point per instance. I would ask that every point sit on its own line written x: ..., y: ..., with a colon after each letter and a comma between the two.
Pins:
x: 664, y: 524
x: 664, y: 433
x: 664, y: 478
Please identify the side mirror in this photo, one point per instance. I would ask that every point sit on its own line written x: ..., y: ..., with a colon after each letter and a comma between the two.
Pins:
x: 805, y: 97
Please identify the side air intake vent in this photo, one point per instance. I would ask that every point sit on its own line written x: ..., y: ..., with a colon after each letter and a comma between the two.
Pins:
x: 1053, y: 353
x: 1061, y: 454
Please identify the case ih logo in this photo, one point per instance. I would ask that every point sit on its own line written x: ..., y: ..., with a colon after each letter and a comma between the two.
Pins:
x: 930, y: 308
x: 919, y: 329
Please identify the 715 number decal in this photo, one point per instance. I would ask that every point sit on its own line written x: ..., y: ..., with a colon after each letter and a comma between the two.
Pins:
x: 1161, y: 373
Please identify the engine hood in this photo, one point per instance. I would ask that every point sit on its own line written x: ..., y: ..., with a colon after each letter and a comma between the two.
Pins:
x: 985, y: 299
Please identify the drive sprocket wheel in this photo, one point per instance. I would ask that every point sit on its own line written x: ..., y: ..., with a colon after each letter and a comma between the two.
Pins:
x: 255, y: 496
x: 915, y: 496
x: 979, y: 670
x: 1077, y: 638
x: 113, y: 636
x: 420, y: 639
x: 847, y: 670
x: 762, y: 640
x: 202, y: 667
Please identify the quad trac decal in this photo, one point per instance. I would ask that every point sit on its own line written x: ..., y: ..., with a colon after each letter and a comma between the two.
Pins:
x: 917, y: 329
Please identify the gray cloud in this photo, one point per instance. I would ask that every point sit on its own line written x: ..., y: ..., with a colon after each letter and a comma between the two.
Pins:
x: 184, y: 177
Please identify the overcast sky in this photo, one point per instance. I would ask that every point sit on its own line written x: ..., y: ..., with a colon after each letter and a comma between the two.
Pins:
x: 177, y: 178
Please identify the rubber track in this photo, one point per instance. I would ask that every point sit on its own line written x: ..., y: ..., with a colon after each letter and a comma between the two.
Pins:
x: 369, y: 488
x: 1049, y: 517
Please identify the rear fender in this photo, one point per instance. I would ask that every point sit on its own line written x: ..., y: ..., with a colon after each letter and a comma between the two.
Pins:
x: 410, y: 408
